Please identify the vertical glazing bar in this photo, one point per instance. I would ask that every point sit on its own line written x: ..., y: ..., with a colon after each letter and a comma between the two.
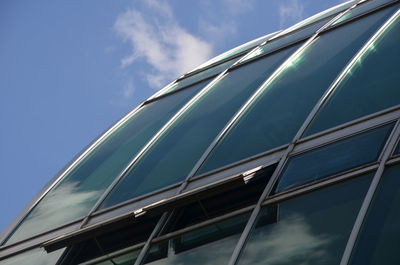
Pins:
x: 278, y: 170
x: 388, y: 149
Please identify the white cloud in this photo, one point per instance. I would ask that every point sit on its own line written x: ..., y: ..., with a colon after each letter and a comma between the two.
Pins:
x: 290, y: 241
x: 61, y: 205
x: 290, y: 12
x: 157, y: 38
x: 235, y: 7
x: 128, y: 89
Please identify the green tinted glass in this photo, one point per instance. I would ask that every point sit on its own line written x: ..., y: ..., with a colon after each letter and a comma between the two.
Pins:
x: 361, y: 9
x: 334, y: 158
x: 211, y: 245
x: 79, y: 190
x: 173, y: 156
x: 378, y: 240
x: 286, y: 40
x: 35, y: 256
x: 202, y: 75
x: 237, y: 50
x: 306, y: 230
x: 369, y: 86
x: 277, y: 114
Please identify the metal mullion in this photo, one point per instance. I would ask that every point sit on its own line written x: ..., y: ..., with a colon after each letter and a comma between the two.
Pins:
x: 167, y: 215
x: 366, y: 13
x: 112, y: 255
x: 243, y: 109
x: 284, y: 159
x: 151, y: 142
x: 320, y: 184
x: 76, y: 160
x: 252, y: 98
x: 390, y: 145
x: 342, y: 75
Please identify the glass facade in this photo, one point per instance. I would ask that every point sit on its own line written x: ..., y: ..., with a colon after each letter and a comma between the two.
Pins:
x: 277, y: 161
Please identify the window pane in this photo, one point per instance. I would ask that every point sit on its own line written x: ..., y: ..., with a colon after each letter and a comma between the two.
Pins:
x: 324, y: 14
x: 307, y: 229
x: 125, y: 259
x: 397, y: 151
x: 334, y: 158
x: 172, y: 157
x: 369, y: 86
x: 35, y: 256
x: 285, y: 40
x: 379, y: 235
x: 209, y: 245
x: 360, y: 9
x: 237, y: 50
x: 79, y: 190
x: 202, y: 75
x: 277, y: 114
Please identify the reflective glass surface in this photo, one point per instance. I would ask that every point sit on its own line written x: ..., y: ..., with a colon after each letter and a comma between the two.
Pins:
x: 35, y: 256
x: 84, y: 184
x: 306, y: 230
x: 370, y: 85
x: 125, y: 259
x: 334, y: 158
x: 285, y: 40
x: 202, y: 75
x: 326, y: 13
x: 210, y: 245
x: 276, y: 115
x: 237, y: 50
x: 397, y: 151
x: 379, y: 236
x: 360, y: 9
x: 173, y: 156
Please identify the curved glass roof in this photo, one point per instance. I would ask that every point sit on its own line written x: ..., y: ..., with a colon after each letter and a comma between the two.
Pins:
x: 238, y: 111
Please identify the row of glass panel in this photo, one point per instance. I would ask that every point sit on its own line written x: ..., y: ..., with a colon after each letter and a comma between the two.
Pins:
x: 270, y: 121
x: 288, y: 224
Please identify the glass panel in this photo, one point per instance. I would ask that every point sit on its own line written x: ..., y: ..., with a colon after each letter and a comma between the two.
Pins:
x: 226, y: 200
x: 237, y: 50
x: 202, y: 75
x: 125, y: 259
x: 379, y: 236
x: 310, y: 229
x: 360, y: 9
x: 172, y: 157
x: 334, y: 158
x: 397, y: 151
x: 35, y: 256
x: 277, y: 114
x: 324, y: 14
x: 81, y: 187
x: 209, y: 245
x: 285, y: 40
x: 369, y: 86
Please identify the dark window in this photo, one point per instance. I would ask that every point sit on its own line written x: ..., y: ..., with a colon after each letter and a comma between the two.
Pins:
x: 307, y: 229
x: 334, y: 158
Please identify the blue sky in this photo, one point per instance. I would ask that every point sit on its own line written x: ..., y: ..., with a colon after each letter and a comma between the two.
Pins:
x: 70, y: 69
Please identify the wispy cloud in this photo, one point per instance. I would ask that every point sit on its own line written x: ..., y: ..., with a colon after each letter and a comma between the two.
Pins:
x: 156, y: 37
x: 290, y: 12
